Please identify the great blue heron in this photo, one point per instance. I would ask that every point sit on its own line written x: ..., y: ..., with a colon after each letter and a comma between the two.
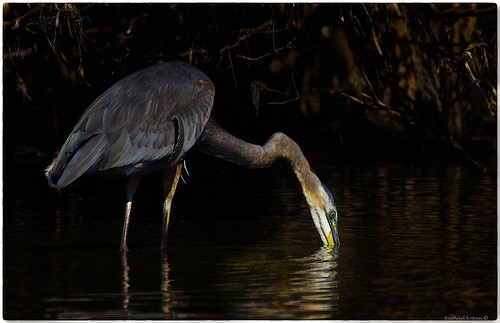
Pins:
x: 147, y: 122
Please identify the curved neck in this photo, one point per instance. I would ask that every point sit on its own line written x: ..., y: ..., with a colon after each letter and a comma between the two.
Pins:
x: 219, y: 143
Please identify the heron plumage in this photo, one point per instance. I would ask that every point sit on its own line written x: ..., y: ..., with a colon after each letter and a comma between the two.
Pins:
x: 138, y: 124
x: 150, y: 119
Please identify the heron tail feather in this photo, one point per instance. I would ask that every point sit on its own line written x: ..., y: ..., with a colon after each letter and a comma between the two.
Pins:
x: 79, y: 154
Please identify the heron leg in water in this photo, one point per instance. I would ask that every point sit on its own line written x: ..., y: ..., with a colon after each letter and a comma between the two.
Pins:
x: 170, y: 180
x: 132, y: 184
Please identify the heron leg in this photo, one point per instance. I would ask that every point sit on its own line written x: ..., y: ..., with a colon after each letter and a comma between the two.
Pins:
x: 132, y: 183
x: 170, y: 180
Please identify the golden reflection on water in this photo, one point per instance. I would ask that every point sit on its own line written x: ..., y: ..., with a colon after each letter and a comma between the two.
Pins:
x: 125, y: 281
x: 166, y: 301
x: 417, y: 242
x: 266, y: 287
x: 424, y: 228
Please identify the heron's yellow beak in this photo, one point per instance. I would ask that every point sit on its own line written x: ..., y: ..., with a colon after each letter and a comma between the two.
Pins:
x: 330, y: 240
x: 333, y: 239
x: 324, y: 214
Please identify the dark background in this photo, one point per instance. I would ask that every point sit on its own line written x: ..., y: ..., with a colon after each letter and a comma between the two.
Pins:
x: 370, y: 81
x: 394, y: 106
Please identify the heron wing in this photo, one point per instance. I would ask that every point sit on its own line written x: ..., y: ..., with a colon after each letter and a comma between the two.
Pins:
x: 79, y: 153
x: 169, y: 129
x: 153, y: 115
x: 156, y: 114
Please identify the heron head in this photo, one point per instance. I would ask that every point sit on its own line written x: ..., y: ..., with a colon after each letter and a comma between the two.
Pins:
x: 324, y: 213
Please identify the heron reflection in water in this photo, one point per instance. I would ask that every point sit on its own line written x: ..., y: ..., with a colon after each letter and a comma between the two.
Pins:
x: 150, y: 119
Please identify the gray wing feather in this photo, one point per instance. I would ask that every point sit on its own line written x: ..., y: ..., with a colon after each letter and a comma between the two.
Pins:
x: 79, y: 153
x: 83, y: 159
x: 148, y: 134
x: 133, y: 122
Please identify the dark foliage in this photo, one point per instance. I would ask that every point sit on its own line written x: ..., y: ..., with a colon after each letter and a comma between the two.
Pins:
x: 359, y: 75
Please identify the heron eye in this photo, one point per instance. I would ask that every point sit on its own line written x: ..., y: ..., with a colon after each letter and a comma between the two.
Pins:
x: 332, y: 214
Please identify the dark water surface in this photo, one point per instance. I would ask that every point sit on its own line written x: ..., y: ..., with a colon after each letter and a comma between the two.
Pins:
x: 418, y: 242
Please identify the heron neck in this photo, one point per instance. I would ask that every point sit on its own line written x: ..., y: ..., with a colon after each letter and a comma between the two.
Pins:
x: 218, y: 142
x: 289, y: 150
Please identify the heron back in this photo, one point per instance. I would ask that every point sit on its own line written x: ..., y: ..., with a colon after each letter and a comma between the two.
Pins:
x: 144, y: 122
